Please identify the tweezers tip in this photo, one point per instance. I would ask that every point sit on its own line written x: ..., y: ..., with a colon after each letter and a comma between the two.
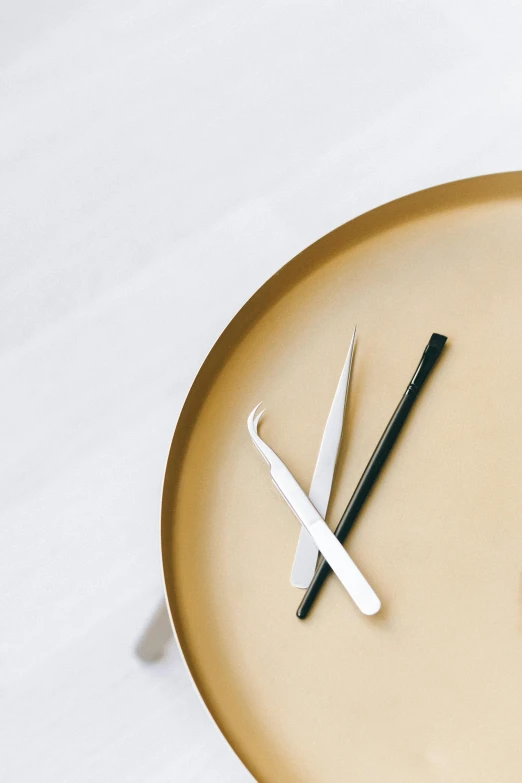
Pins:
x: 253, y: 419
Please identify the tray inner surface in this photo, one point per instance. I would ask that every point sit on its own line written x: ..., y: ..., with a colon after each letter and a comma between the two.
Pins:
x: 430, y: 689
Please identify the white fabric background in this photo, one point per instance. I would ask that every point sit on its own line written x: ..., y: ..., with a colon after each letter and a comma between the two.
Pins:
x: 159, y: 159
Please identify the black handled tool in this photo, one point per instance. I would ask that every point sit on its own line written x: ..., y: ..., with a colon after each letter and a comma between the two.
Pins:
x: 377, y: 460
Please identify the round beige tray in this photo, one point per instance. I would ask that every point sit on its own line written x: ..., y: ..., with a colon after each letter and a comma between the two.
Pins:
x: 430, y: 689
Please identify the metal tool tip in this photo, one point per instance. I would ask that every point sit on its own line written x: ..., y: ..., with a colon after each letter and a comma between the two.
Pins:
x: 253, y: 419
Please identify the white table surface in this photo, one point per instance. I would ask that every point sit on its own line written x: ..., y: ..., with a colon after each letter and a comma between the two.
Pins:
x: 159, y: 159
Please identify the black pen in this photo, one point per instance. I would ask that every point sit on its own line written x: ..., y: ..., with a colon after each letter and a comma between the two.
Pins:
x: 377, y: 460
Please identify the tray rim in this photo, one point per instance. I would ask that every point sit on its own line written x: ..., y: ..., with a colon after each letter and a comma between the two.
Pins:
x: 444, y: 196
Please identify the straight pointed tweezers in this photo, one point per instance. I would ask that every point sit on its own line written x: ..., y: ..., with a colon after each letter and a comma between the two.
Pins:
x: 305, y: 560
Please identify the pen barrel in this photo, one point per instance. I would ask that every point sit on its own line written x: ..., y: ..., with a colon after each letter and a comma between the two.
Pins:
x: 375, y: 464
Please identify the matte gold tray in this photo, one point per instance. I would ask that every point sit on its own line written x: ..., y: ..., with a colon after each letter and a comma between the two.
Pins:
x: 430, y: 689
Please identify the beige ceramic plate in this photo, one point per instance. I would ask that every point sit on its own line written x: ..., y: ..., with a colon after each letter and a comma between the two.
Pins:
x: 430, y: 689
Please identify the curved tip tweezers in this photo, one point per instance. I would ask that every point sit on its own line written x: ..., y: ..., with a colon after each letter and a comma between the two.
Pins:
x: 252, y: 422
x: 331, y: 549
